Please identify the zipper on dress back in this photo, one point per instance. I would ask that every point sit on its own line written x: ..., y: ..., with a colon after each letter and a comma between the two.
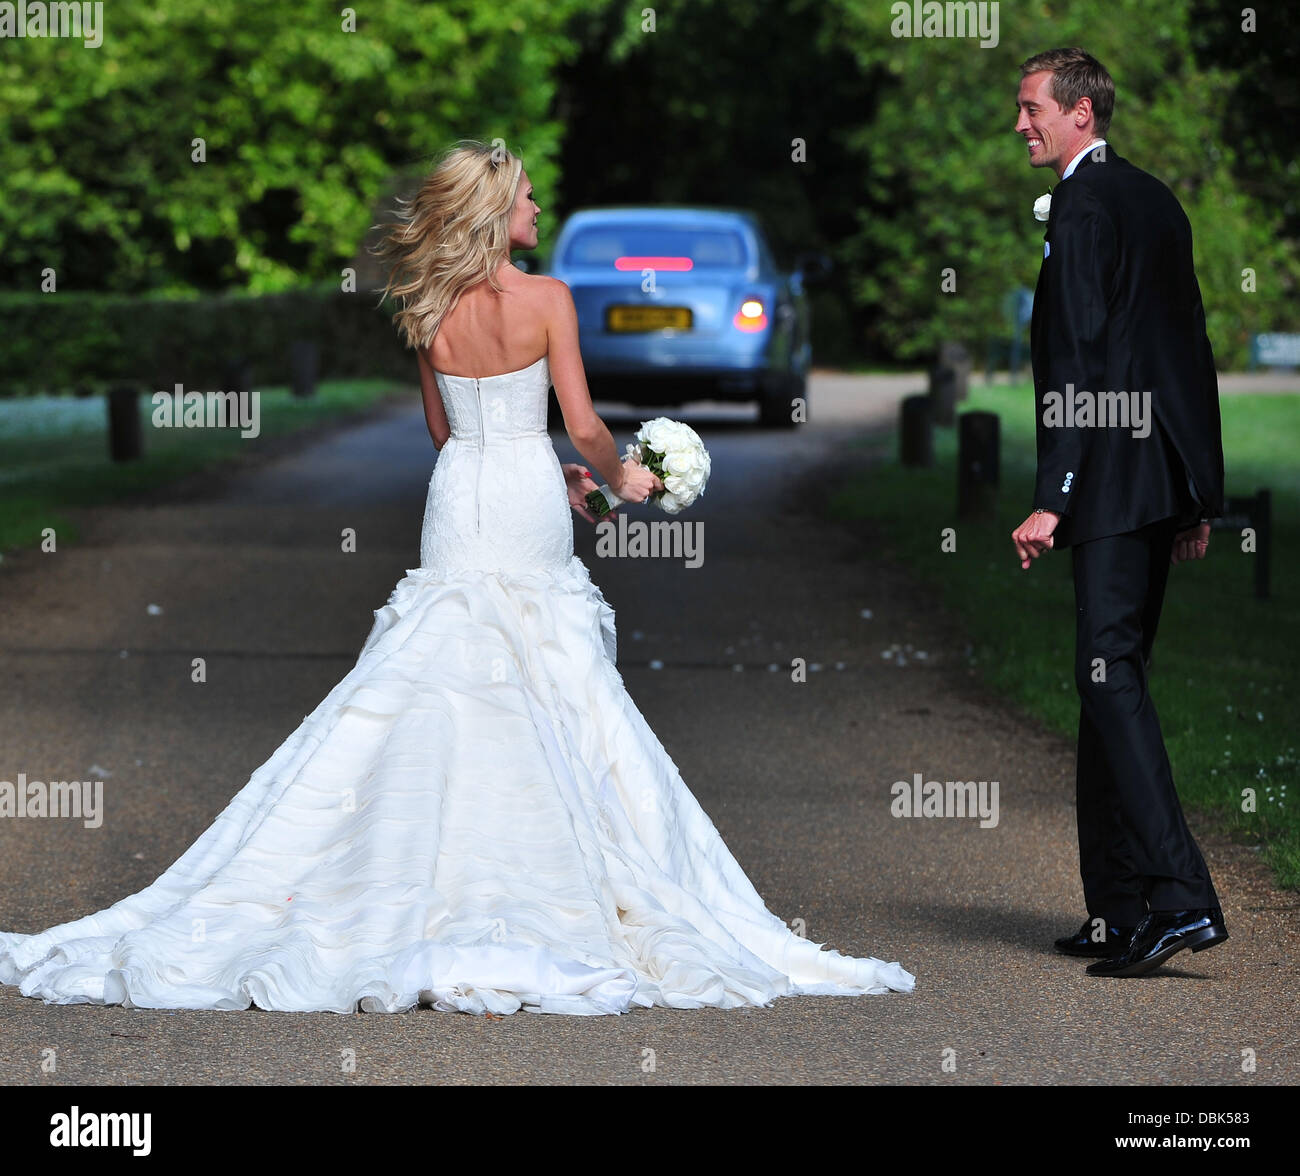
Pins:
x: 478, y: 476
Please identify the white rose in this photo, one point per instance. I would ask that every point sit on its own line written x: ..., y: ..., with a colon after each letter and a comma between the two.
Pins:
x: 1043, y: 207
x: 655, y: 432
x: 691, y: 441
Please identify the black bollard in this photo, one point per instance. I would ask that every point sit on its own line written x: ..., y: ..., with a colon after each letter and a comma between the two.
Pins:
x: 237, y: 377
x: 916, y: 432
x: 977, y: 465
x: 957, y: 358
x: 304, y: 361
x: 1263, y: 541
x: 1255, y: 512
x: 125, y: 439
x: 943, y: 394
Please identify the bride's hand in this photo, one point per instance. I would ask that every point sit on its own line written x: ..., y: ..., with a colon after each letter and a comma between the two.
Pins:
x: 578, y: 480
x: 638, y: 482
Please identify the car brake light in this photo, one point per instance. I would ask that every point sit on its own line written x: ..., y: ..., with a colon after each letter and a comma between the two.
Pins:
x: 680, y: 264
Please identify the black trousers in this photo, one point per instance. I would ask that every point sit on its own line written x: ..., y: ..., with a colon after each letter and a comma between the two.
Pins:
x: 1135, y: 850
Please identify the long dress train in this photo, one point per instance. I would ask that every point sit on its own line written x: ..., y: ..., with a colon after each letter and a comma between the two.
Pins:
x: 476, y: 817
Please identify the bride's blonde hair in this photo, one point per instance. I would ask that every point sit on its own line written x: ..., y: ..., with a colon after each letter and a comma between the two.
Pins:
x: 452, y: 235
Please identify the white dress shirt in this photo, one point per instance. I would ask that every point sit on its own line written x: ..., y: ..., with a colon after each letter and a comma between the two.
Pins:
x: 1069, y: 171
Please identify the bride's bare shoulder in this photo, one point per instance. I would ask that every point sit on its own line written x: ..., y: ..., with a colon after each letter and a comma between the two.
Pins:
x: 549, y: 294
x: 542, y: 286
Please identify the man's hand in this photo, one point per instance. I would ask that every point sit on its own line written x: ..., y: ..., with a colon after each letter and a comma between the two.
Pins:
x: 578, y: 480
x: 1034, y: 536
x: 1191, y: 544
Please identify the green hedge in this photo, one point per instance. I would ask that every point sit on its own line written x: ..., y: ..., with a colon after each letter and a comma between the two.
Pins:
x: 57, y: 343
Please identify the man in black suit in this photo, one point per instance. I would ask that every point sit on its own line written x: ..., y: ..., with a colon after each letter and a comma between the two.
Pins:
x: 1130, y: 471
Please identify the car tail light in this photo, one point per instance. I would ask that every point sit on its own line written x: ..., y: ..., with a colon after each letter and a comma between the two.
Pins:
x: 750, y: 316
x: 654, y: 263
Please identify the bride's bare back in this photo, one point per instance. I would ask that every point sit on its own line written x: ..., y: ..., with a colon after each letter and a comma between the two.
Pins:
x: 490, y: 332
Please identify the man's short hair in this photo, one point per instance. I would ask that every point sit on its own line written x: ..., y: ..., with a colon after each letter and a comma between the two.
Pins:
x: 1075, y: 75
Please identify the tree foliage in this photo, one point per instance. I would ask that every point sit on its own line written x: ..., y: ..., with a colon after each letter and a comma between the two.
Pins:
x: 305, y: 127
x: 947, y: 184
x: 893, y: 155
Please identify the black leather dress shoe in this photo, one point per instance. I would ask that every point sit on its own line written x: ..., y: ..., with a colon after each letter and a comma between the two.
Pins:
x: 1085, y: 941
x: 1160, y: 935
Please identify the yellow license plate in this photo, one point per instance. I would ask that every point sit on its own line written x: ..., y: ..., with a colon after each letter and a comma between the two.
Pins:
x: 648, y: 318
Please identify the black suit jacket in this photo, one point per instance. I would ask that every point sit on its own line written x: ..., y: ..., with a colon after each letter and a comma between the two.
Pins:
x: 1117, y: 309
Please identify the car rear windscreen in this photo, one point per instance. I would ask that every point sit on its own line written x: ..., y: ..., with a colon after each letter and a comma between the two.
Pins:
x: 634, y: 247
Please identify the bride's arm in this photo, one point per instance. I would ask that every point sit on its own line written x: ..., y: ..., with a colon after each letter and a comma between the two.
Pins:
x: 586, y: 430
x: 435, y: 415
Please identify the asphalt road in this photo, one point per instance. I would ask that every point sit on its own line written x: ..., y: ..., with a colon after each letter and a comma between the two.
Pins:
x: 247, y: 572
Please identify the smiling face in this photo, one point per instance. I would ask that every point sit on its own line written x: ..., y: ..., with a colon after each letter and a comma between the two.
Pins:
x: 1052, y: 135
x: 523, y: 217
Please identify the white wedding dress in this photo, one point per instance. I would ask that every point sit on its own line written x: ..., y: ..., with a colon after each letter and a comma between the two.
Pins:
x: 476, y: 817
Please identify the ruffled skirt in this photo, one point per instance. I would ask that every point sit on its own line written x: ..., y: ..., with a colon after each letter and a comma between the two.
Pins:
x: 475, y: 818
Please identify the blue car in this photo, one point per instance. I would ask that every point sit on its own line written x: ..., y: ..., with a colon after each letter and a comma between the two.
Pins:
x: 679, y: 304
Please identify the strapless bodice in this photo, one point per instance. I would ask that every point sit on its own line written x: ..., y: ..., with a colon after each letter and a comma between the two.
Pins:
x: 504, y: 407
x: 497, y: 498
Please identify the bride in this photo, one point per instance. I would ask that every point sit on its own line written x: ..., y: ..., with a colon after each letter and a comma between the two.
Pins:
x: 476, y: 817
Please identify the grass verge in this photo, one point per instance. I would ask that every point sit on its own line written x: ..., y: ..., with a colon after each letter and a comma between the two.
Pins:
x: 1226, y: 667
x: 54, y: 450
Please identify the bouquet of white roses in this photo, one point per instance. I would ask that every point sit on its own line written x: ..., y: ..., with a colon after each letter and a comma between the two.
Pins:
x: 672, y: 451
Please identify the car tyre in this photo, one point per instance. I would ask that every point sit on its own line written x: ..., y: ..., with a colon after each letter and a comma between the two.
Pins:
x: 775, y: 407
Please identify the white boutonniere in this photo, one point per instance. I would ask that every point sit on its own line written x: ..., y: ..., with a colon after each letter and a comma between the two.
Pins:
x: 1043, y: 206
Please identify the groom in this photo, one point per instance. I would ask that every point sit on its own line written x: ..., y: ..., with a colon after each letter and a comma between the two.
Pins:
x: 1130, y: 471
